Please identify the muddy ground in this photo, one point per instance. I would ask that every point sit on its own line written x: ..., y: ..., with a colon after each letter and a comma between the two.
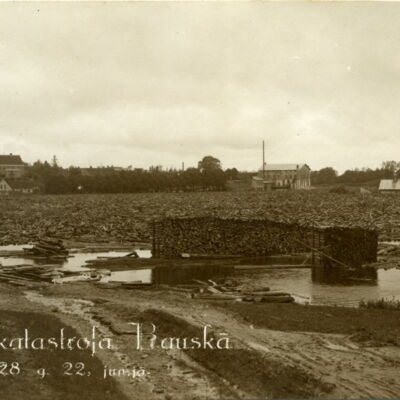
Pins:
x: 279, y: 350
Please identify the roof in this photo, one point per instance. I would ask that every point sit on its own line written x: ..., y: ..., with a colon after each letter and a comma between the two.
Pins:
x: 20, y: 184
x: 10, y: 160
x: 389, y: 184
x: 283, y: 167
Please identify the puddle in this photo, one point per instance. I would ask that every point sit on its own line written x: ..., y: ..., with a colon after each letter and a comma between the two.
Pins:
x: 15, y: 247
x: 11, y: 261
x: 76, y: 263
x: 144, y: 253
x: 140, y: 275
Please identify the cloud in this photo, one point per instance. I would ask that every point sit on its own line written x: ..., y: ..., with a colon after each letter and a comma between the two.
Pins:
x: 149, y: 83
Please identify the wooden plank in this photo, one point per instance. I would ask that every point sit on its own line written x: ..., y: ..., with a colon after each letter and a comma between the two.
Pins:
x: 271, y: 266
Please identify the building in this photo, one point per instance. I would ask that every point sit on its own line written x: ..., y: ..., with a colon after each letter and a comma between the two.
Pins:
x: 389, y: 186
x: 8, y: 186
x: 282, y: 176
x: 259, y: 183
x: 11, y: 166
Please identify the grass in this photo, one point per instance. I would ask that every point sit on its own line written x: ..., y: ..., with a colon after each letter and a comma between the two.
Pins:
x: 366, y: 325
x: 384, y: 304
x: 56, y: 385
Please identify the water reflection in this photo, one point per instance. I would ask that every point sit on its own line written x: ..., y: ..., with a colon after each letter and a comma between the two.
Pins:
x: 344, y: 276
x: 300, y: 283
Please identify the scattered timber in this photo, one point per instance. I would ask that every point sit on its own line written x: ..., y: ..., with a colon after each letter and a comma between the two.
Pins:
x: 47, y: 247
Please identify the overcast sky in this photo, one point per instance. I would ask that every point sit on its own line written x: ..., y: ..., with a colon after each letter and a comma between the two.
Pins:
x: 164, y: 83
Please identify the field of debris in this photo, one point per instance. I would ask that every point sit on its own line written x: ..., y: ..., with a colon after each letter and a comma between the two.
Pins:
x: 126, y: 217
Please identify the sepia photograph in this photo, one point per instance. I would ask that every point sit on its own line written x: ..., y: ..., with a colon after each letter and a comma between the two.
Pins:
x: 199, y: 200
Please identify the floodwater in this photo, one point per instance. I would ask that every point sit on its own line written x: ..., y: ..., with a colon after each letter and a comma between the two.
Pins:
x: 76, y: 262
x: 140, y: 275
x: 300, y: 284
x: 297, y: 281
x: 15, y: 247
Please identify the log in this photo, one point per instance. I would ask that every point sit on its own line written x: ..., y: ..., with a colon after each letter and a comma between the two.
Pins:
x: 271, y: 266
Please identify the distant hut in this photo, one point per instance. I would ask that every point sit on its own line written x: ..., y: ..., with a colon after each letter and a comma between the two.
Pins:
x: 390, y: 185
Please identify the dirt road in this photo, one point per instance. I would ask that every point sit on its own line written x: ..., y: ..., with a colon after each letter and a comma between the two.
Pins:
x: 349, y: 370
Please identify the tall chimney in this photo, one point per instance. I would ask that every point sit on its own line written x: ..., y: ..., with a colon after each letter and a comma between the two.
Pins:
x: 263, y: 165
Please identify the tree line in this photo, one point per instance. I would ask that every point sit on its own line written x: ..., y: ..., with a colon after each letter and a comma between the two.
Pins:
x: 329, y: 176
x: 208, y: 176
x: 53, y: 179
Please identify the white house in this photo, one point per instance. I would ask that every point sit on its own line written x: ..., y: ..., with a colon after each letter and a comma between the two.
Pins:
x: 389, y: 186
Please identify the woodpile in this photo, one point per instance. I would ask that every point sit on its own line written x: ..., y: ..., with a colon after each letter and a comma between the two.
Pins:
x: 25, y: 275
x: 344, y: 246
x: 350, y: 246
x: 218, y: 236
x: 47, y: 247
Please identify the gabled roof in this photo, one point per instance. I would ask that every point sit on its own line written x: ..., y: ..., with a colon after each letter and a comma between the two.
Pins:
x: 11, y: 159
x: 283, y: 167
x: 20, y: 184
x: 3, y: 180
x: 389, y: 184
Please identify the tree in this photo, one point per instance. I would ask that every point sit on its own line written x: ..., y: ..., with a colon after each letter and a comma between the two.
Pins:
x: 208, y: 164
x: 54, y: 162
x: 191, y: 178
x: 324, y: 176
x: 232, y: 173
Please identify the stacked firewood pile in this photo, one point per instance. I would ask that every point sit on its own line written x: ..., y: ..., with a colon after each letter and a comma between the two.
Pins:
x: 349, y: 247
x: 218, y: 236
x: 47, y: 247
x: 352, y: 247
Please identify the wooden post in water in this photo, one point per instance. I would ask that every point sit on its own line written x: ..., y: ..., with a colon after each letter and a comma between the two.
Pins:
x: 313, y: 245
x: 154, y: 250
